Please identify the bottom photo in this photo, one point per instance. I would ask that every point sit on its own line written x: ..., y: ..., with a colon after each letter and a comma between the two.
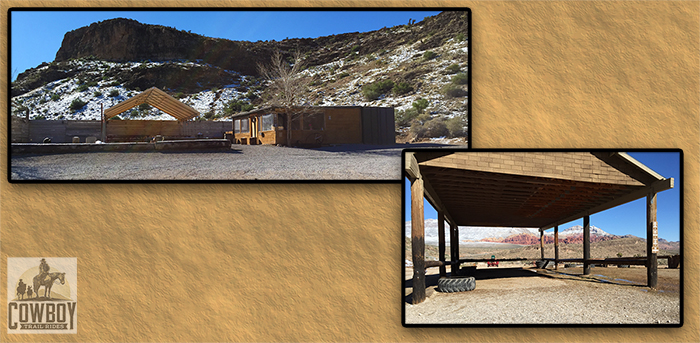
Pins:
x: 542, y: 237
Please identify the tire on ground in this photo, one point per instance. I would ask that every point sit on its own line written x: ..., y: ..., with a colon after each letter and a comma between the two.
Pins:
x: 539, y: 264
x: 456, y: 284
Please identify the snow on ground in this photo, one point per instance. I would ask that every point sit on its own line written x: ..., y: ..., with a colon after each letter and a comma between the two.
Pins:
x: 53, y: 101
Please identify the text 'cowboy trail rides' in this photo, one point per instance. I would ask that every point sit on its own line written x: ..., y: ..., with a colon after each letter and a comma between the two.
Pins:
x: 42, y: 295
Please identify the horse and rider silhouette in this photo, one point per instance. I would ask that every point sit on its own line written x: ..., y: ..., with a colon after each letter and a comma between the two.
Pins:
x: 44, y: 278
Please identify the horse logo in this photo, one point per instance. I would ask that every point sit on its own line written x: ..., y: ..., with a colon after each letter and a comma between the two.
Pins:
x: 47, y: 282
x: 33, y: 310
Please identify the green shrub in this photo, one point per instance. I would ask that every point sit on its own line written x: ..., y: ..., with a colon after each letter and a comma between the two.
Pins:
x: 97, y: 93
x: 455, y: 127
x: 178, y: 95
x: 460, y: 37
x: 429, y: 55
x: 251, y: 95
x: 452, y: 69
x: 114, y: 93
x: 343, y: 74
x: 402, y: 88
x: 420, y: 105
x: 77, y: 104
x: 375, y: 90
x: 404, y: 118
x: 460, y: 79
x: 453, y: 91
x: 55, y: 97
x: 237, y: 105
x: 82, y: 87
x: 436, y: 128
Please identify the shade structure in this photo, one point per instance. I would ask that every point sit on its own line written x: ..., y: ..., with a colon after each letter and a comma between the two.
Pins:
x: 541, y: 189
x: 158, y: 99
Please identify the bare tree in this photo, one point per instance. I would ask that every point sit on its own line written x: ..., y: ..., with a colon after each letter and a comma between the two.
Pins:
x: 287, y: 86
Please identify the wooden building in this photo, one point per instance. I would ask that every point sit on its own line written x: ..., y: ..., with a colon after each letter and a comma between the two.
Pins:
x: 316, y: 126
x: 524, y: 189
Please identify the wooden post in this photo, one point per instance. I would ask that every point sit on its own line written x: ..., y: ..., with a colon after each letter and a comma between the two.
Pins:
x: 542, y: 244
x: 454, y: 250
x: 441, y: 243
x: 104, y: 124
x: 417, y: 241
x: 652, y: 241
x: 586, y: 244
x: 556, y: 247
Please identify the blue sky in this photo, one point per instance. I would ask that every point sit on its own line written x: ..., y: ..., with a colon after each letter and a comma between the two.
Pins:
x: 629, y: 218
x: 36, y: 36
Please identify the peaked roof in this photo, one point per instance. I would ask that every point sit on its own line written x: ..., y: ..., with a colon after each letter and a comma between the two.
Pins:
x: 158, y: 99
x: 529, y: 189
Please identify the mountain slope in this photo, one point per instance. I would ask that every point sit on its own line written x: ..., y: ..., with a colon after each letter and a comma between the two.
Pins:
x: 110, y: 61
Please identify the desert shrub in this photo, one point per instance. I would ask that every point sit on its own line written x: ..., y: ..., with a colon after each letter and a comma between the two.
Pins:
x: 55, y: 97
x: 77, y: 104
x: 420, y: 105
x: 251, y: 95
x: 455, y: 127
x: 431, y: 128
x: 237, y: 105
x: 179, y: 95
x: 452, y: 69
x: 209, y: 114
x: 343, y: 74
x: 402, y: 88
x: 82, y: 87
x: 453, y: 91
x: 375, y: 90
x: 114, y: 93
x: 436, y: 128
x: 429, y: 55
x: 97, y: 93
x: 404, y: 118
x: 460, y: 79
x: 460, y: 37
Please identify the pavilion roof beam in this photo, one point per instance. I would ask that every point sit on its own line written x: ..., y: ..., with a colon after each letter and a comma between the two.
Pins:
x: 628, y: 165
x: 655, y: 187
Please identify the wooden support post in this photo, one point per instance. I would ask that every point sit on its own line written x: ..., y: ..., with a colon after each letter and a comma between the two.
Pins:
x: 103, y: 133
x: 556, y: 247
x: 441, y: 243
x: 542, y: 244
x: 652, y: 241
x: 418, y: 241
x: 454, y: 250
x: 586, y: 244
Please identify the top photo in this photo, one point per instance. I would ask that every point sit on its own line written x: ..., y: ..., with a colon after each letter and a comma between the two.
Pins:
x: 233, y: 95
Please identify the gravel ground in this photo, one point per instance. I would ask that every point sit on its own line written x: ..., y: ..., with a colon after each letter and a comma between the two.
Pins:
x: 551, y: 299
x: 242, y: 162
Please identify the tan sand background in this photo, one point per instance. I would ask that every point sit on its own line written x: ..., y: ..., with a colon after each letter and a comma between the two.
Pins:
x: 322, y: 262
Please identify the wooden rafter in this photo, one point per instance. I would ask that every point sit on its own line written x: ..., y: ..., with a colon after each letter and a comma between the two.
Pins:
x: 158, y: 99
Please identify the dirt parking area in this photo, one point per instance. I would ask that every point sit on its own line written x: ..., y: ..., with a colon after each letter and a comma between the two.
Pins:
x: 524, y: 295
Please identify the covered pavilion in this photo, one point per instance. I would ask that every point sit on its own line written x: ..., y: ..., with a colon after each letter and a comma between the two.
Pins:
x: 541, y: 189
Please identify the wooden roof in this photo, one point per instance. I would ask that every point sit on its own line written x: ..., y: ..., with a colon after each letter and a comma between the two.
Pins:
x: 529, y: 189
x: 158, y: 99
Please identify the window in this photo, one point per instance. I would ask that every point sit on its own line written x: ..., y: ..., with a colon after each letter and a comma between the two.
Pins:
x: 245, y: 128
x: 313, y: 121
x: 237, y: 126
x: 267, y: 122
